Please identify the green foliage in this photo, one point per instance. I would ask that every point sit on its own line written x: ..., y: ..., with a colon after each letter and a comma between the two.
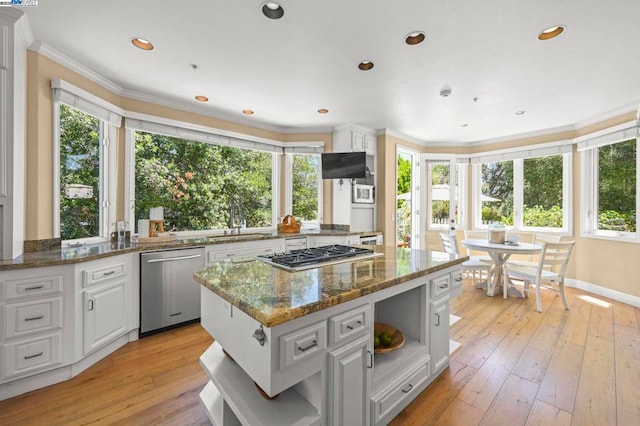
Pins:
x: 197, y: 183
x: 404, y: 175
x: 611, y: 220
x: 538, y: 216
x: 617, y: 187
x: 79, y: 165
x: 543, y: 182
x: 305, y: 186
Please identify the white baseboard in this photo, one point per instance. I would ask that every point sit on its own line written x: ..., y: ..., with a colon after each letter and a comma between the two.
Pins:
x: 603, y: 291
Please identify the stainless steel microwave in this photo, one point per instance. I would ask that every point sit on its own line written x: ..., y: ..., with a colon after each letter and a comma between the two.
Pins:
x: 363, y: 194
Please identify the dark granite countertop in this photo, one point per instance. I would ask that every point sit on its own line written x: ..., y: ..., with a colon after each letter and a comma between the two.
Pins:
x: 273, y: 296
x: 69, y: 255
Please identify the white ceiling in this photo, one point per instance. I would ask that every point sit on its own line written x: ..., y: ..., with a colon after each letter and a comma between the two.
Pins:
x: 286, y: 69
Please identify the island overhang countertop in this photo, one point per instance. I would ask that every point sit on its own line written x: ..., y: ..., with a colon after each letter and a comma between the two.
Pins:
x: 273, y: 296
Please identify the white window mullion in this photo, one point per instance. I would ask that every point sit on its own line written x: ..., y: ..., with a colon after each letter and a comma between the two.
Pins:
x: 518, y: 193
x: 288, y: 183
x: 476, y: 169
x: 275, y: 188
x: 130, y: 179
x: 56, y: 170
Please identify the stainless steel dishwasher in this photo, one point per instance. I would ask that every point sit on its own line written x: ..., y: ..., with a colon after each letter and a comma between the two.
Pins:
x: 169, y: 295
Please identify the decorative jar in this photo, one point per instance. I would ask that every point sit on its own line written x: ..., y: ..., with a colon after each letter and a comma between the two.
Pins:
x: 497, y: 233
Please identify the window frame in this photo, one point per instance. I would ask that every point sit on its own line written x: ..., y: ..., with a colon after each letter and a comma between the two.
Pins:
x: 564, y: 148
x: 288, y: 186
x: 153, y: 124
x: 588, y: 147
x: 108, y: 115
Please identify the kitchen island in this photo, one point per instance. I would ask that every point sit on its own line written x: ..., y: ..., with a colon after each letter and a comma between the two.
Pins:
x: 306, y: 338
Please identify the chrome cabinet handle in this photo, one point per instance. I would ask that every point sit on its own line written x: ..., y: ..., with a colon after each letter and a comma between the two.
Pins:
x: 437, y: 319
x: 90, y: 303
x: 34, y: 355
x: 34, y: 318
x: 35, y: 287
x: 171, y: 259
x: 370, y: 363
x: 443, y: 286
x: 176, y: 314
x: 407, y: 388
x: 106, y: 274
x: 309, y: 346
x: 354, y: 324
x: 458, y: 278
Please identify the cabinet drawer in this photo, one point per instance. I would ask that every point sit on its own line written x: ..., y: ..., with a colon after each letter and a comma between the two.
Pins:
x: 440, y: 285
x: 99, y: 276
x: 403, y: 390
x: 32, y: 286
x: 33, y: 316
x: 303, y: 344
x: 350, y: 324
x: 295, y: 244
x: 27, y: 355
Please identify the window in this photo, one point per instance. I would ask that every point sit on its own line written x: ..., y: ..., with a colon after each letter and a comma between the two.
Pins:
x: 524, y: 190
x: 439, y: 176
x: 84, y: 159
x: 610, y: 184
x: 199, y: 183
x: 306, y: 189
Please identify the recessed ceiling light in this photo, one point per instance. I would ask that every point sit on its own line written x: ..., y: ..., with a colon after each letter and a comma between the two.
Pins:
x: 272, y: 10
x: 551, y: 32
x: 365, y: 65
x: 464, y: 125
x: 141, y: 43
x: 414, y: 38
x: 323, y: 111
x: 202, y: 98
x: 247, y: 111
x: 520, y: 112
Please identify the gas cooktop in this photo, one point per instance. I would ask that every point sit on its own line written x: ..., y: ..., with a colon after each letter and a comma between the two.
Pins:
x: 301, y: 259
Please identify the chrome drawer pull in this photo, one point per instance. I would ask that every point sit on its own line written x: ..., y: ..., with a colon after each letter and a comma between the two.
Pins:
x: 438, y: 317
x: 34, y: 355
x: 34, y: 318
x: 458, y: 278
x: 407, y: 388
x: 306, y: 348
x: 176, y: 314
x: 106, y: 274
x: 354, y: 325
x: 443, y: 286
x: 35, y: 287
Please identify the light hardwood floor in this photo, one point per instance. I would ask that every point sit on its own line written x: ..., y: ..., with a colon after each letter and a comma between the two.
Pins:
x: 515, y: 366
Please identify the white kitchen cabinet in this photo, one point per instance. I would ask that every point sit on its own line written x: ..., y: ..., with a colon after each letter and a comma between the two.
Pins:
x: 36, y: 312
x: 317, y: 241
x: 439, y: 333
x: 296, y: 243
x: 220, y: 252
x: 361, y: 141
x: 107, y: 288
x: 350, y: 375
x: 105, y: 314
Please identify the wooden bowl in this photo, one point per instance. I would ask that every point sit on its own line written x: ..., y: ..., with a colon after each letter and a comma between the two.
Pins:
x: 397, y: 338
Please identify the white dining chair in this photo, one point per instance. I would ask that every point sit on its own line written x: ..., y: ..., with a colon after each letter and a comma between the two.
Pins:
x: 473, y: 265
x: 532, y: 260
x: 550, y: 269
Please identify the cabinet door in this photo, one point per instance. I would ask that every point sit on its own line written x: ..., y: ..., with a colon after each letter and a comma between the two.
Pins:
x: 440, y: 333
x: 105, y: 315
x: 357, y: 141
x: 349, y: 387
x: 370, y: 144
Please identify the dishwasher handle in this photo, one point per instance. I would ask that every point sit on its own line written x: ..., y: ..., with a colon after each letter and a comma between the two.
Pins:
x: 171, y: 259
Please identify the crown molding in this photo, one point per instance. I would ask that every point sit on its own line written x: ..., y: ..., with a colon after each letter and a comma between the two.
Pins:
x: 403, y: 136
x: 526, y: 135
x: 184, y: 106
x: 23, y: 32
x: 608, y: 115
x: 66, y: 61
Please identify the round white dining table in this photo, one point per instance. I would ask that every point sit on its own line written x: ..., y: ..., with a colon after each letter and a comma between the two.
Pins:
x: 500, y: 253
